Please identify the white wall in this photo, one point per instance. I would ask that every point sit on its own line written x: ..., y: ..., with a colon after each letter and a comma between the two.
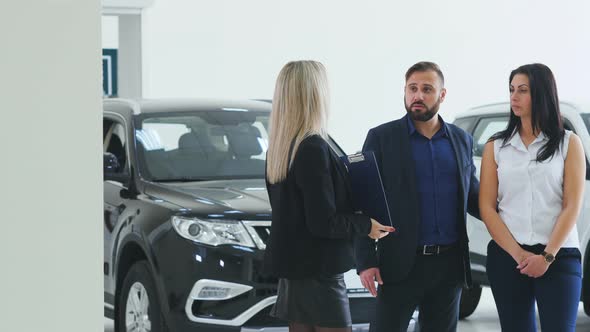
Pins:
x: 235, y: 49
x: 50, y: 192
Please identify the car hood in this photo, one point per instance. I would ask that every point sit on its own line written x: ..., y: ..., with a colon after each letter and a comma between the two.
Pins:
x: 239, y: 199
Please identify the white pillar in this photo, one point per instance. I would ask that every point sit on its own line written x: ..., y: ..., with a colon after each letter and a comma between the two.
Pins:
x: 130, y: 56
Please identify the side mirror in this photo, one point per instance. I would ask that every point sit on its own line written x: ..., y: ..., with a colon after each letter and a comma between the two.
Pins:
x: 112, y: 169
x: 110, y: 163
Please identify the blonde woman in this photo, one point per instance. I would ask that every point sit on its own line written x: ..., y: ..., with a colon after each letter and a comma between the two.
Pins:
x: 312, y: 221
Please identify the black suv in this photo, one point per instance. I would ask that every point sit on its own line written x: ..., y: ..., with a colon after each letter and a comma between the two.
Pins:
x: 186, y: 217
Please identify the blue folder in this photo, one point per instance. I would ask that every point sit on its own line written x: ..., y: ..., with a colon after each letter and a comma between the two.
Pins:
x: 368, y: 194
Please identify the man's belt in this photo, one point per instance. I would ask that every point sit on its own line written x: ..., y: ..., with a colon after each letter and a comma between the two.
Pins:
x: 434, y: 249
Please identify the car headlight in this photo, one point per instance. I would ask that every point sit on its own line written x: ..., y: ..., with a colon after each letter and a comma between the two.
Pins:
x: 213, y: 232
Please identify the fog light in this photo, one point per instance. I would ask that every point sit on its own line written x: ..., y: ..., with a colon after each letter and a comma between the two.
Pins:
x: 209, y: 292
x: 216, y: 290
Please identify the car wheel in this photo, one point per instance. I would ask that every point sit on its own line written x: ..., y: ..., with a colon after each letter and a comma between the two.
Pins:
x: 138, y: 305
x: 586, y: 297
x: 469, y: 301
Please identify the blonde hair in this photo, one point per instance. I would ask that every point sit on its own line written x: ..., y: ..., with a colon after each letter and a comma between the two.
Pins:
x: 299, y: 110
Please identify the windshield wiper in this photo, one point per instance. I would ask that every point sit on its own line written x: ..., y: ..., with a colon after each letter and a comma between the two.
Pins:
x: 180, y: 179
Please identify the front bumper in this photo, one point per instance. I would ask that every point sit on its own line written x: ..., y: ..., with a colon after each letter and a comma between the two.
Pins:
x: 257, y: 317
x: 181, y: 265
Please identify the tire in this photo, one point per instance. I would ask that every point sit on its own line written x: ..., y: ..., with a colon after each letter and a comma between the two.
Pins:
x: 469, y: 301
x: 586, y: 282
x: 138, y: 303
x: 586, y: 296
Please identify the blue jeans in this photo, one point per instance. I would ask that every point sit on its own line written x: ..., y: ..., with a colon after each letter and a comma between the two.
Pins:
x: 557, y: 292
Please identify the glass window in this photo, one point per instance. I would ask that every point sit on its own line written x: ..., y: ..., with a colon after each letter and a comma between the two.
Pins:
x: 114, y: 141
x: 203, y: 145
x: 465, y: 123
x: 485, y: 128
x: 586, y: 117
x: 161, y: 136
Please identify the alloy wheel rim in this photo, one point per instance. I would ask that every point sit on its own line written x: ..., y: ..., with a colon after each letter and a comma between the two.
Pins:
x: 136, y: 309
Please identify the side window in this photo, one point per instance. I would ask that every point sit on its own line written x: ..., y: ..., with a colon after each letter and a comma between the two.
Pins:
x: 567, y: 125
x: 484, y: 129
x: 465, y: 123
x: 115, y: 142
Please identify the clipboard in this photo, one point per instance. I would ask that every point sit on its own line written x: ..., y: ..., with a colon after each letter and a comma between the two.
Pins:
x: 368, y: 194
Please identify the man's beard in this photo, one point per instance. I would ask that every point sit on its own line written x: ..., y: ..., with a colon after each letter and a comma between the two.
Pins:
x: 426, y: 114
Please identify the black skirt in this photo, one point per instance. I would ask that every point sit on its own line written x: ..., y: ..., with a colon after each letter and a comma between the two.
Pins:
x: 319, y: 301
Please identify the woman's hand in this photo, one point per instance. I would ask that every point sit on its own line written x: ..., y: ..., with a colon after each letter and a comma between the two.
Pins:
x: 378, y: 231
x: 533, y: 266
x: 521, y: 255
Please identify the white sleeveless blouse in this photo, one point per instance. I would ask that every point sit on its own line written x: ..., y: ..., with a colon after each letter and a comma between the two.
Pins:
x: 530, y: 194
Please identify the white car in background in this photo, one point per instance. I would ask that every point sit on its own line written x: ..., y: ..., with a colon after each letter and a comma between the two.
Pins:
x: 484, y: 121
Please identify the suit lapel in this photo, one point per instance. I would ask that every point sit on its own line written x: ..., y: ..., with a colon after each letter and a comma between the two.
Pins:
x: 341, y: 170
x: 460, y: 157
x: 401, y: 138
x: 340, y: 167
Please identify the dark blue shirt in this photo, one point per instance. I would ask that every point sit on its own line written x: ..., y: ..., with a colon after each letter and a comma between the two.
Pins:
x: 437, y: 177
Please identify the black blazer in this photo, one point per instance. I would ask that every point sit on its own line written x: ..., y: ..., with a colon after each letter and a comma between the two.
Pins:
x: 312, y: 218
x: 396, y: 253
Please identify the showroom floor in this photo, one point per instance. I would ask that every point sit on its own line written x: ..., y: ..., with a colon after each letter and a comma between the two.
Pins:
x: 484, y: 319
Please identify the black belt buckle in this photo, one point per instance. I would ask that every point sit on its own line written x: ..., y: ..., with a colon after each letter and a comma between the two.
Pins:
x: 429, y: 250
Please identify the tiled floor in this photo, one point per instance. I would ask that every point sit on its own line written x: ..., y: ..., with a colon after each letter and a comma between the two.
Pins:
x: 484, y: 319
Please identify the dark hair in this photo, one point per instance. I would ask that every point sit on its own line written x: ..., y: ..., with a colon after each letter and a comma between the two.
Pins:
x: 425, y: 66
x: 545, y: 114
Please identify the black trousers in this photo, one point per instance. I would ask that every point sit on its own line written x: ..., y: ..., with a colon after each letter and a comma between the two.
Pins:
x: 433, y: 286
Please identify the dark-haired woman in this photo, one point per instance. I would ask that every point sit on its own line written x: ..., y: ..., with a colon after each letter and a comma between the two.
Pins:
x: 532, y: 183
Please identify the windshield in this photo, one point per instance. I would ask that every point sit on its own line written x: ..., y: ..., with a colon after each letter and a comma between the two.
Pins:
x: 204, y: 145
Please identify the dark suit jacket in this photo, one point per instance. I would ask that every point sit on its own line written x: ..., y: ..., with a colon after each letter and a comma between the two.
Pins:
x: 313, y: 223
x: 395, y: 254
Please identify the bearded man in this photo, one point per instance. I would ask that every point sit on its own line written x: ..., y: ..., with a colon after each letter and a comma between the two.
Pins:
x: 429, y: 179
